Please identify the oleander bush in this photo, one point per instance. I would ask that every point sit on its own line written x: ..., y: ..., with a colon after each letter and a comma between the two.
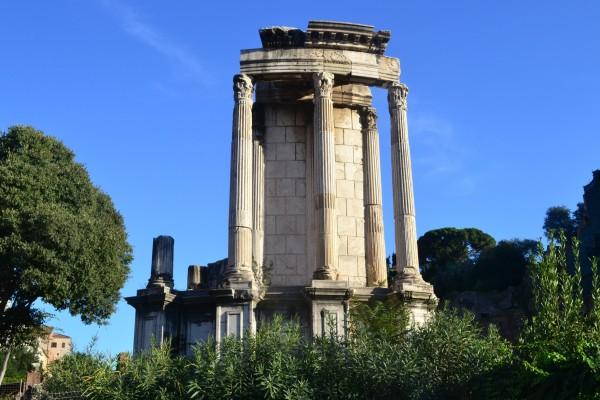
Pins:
x: 436, y: 361
x: 451, y: 357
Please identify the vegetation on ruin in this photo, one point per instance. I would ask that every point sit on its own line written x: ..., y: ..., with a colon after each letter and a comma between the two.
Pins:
x: 452, y: 357
x: 61, y: 239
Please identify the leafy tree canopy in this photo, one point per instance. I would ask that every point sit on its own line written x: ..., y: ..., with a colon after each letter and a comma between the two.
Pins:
x: 61, y: 239
x: 439, y: 248
x: 22, y: 361
x: 503, y: 265
x: 456, y: 259
x: 560, y: 219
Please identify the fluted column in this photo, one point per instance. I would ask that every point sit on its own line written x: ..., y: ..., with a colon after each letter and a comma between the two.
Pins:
x: 258, y: 184
x: 407, y: 258
x: 239, y: 264
x: 324, y: 177
x: 374, y: 235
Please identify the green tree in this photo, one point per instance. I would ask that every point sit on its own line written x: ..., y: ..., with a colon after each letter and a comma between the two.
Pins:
x: 560, y: 219
x: 439, y: 248
x: 447, y: 256
x: 22, y: 360
x: 61, y: 239
x: 503, y: 265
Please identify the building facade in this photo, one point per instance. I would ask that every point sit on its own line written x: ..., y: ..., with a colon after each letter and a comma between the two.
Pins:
x: 52, y: 346
x: 306, y: 231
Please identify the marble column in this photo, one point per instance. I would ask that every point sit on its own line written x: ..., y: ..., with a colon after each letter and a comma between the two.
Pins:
x: 258, y: 184
x: 161, y: 273
x: 239, y: 263
x: 374, y: 235
x: 324, y: 177
x: 407, y: 258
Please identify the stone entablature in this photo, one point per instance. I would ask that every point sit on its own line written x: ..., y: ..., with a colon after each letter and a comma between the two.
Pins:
x: 327, y: 34
x: 353, y: 52
x: 300, y: 63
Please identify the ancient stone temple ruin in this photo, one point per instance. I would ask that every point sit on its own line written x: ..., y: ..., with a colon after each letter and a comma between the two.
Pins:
x: 306, y: 231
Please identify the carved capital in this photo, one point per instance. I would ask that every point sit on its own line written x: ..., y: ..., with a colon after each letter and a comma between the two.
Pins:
x: 242, y: 87
x: 368, y: 118
x: 397, y: 94
x: 323, y: 82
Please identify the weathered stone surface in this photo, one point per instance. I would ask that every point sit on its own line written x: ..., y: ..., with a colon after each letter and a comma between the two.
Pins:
x: 344, y: 154
x: 194, y: 278
x: 324, y: 182
x: 370, y: 69
x: 374, y: 240
x: 286, y: 206
x: 162, y: 262
x: 347, y: 226
x: 404, y: 203
x: 345, y: 188
x: 239, y: 266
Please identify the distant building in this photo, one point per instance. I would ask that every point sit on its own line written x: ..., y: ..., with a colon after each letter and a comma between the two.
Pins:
x: 589, y: 224
x: 52, y: 346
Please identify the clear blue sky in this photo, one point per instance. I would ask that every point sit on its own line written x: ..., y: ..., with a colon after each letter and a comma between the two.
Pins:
x: 504, y: 111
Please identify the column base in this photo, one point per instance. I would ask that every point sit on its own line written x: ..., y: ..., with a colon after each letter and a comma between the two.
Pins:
x: 329, y: 307
x: 418, y: 296
x: 237, y: 277
x: 160, y: 282
x: 325, y: 273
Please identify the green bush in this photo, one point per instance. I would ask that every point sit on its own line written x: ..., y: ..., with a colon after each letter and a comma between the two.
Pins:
x: 439, y: 360
x: 450, y: 357
x: 152, y: 375
x: 268, y: 365
x: 559, y: 349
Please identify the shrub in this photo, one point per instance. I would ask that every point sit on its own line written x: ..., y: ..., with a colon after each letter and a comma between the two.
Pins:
x: 450, y: 357
x: 155, y: 374
x: 439, y: 360
x: 559, y: 349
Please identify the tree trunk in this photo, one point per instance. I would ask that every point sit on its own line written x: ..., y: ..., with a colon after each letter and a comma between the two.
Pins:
x: 5, y: 364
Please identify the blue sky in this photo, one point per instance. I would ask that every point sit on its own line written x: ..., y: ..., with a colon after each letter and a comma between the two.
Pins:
x: 503, y: 110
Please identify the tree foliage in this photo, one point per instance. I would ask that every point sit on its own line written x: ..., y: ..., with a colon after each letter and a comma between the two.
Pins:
x: 559, y: 350
x: 439, y: 248
x: 560, y: 219
x: 455, y: 260
x: 503, y: 265
x: 21, y: 362
x: 379, y: 319
x: 61, y: 239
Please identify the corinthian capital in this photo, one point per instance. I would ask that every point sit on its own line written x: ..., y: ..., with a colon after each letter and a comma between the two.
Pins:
x: 368, y: 118
x: 242, y: 87
x: 397, y: 95
x: 323, y: 83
